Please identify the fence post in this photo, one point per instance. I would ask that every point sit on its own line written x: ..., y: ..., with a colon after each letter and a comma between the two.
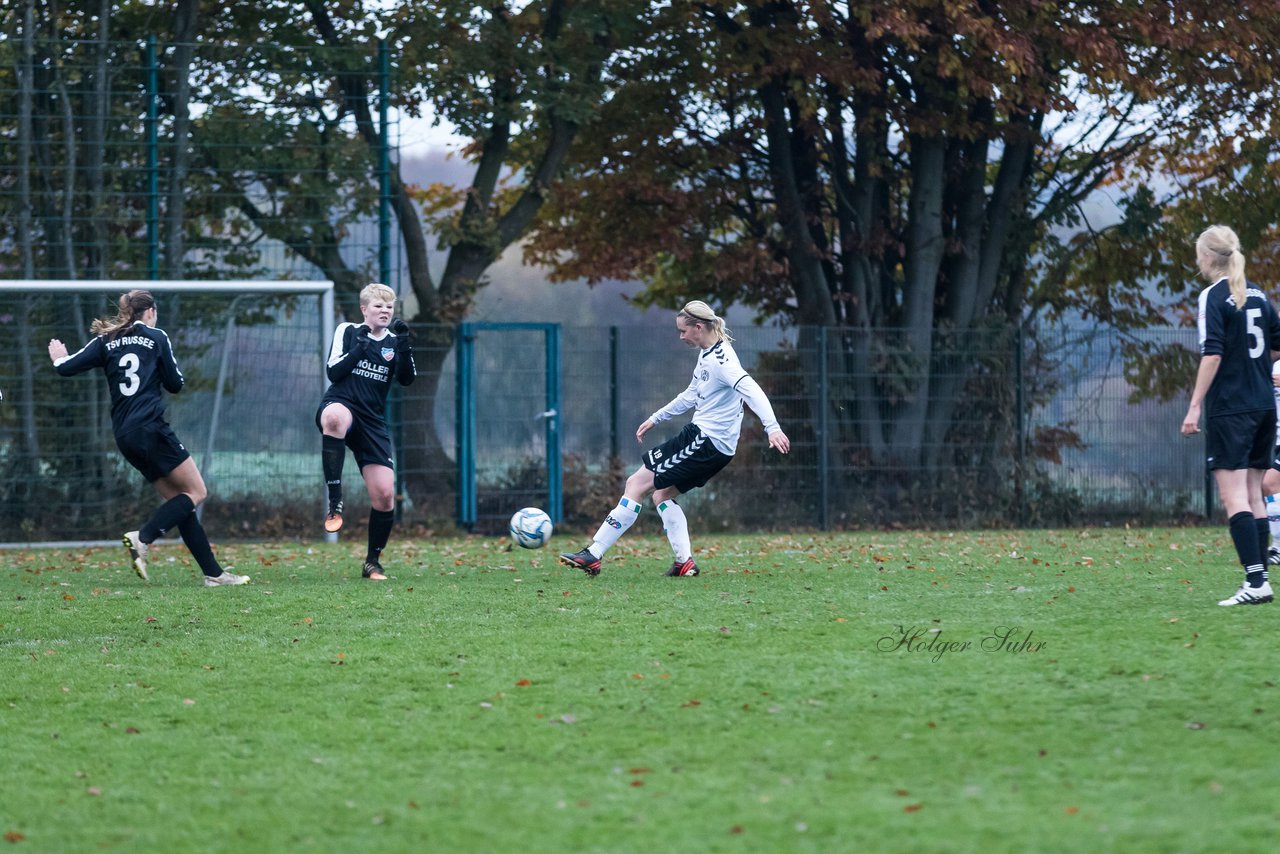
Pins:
x: 466, y: 427
x: 555, y: 476
x: 153, y: 161
x: 824, y: 406
x: 1020, y: 493
x: 613, y: 393
x: 384, y: 167
x: 1208, y: 493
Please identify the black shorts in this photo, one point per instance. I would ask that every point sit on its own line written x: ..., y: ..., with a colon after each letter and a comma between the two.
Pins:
x: 368, y: 439
x: 153, y: 450
x: 686, y: 462
x: 1241, y: 440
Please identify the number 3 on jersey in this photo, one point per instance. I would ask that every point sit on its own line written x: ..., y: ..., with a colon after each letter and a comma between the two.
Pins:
x: 1255, y: 334
x: 129, y: 363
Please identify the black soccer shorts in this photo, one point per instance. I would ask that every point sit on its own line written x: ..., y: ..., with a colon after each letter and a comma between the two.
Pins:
x: 1241, y: 440
x: 368, y: 439
x: 686, y: 461
x: 153, y: 450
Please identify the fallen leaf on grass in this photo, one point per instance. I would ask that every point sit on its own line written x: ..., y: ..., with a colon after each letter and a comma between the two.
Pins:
x: 1071, y: 810
x: 13, y: 836
x: 93, y: 790
x: 912, y: 808
x: 523, y: 683
x: 1195, y: 725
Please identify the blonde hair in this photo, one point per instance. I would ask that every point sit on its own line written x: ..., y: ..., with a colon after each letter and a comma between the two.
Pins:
x: 376, y: 290
x: 699, y: 312
x: 130, y: 308
x: 1219, y: 247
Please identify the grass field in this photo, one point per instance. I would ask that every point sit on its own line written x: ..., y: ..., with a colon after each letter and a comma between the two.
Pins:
x: 1006, y: 691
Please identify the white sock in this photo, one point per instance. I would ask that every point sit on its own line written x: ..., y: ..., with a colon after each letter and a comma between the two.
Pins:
x: 1273, y: 519
x: 614, y: 526
x: 676, y: 527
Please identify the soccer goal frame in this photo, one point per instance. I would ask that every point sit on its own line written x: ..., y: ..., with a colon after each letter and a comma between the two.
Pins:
x: 235, y: 289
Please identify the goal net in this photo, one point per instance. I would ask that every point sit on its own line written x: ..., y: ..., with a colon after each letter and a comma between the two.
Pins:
x: 252, y: 354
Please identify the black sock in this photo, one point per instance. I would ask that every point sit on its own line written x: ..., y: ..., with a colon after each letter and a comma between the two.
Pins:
x: 1245, y: 536
x: 1264, y: 540
x: 332, y: 454
x: 166, y: 516
x: 198, y: 544
x: 380, y: 522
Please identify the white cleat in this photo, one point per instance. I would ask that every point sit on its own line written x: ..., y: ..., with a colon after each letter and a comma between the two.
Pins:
x: 227, y: 579
x: 137, y: 553
x: 1247, y: 595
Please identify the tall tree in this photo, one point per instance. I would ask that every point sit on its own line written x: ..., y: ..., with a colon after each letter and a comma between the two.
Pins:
x: 520, y: 80
x: 891, y: 166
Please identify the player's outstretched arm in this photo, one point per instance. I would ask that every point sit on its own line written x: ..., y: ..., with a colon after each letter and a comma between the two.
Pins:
x: 779, y: 441
x: 89, y: 356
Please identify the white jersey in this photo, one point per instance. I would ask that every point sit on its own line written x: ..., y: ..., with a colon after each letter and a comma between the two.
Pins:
x: 716, y: 394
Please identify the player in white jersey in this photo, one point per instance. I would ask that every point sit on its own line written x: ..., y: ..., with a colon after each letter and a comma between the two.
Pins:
x: 1239, y: 342
x: 716, y: 393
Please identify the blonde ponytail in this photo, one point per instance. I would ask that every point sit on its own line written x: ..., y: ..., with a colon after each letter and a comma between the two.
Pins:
x: 1218, y: 249
x: 699, y: 312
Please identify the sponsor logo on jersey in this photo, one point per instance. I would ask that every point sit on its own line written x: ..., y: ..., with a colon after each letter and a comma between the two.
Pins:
x: 705, y: 375
x: 388, y: 352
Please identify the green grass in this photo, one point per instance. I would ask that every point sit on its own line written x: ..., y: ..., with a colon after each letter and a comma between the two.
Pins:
x: 489, y: 700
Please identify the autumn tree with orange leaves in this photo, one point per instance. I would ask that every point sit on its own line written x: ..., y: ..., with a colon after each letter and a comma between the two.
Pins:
x: 911, y: 166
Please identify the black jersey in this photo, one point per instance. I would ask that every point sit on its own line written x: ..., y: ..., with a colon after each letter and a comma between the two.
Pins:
x: 360, y: 369
x: 138, y: 363
x: 1244, y: 337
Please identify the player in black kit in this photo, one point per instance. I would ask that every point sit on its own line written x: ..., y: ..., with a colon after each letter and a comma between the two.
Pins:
x: 138, y: 361
x: 1239, y: 341
x: 352, y: 414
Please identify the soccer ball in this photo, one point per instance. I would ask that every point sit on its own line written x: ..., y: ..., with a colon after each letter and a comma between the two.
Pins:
x: 530, y: 528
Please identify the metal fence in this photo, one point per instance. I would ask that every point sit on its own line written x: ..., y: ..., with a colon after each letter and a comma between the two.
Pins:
x: 1044, y: 432
x: 147, y: 160
x: 142, y: 160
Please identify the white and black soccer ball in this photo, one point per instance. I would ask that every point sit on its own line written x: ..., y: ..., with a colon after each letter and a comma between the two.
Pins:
x: 530, y: 528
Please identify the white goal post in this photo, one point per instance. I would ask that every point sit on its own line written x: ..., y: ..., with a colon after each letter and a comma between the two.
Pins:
x: 254, y: 358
